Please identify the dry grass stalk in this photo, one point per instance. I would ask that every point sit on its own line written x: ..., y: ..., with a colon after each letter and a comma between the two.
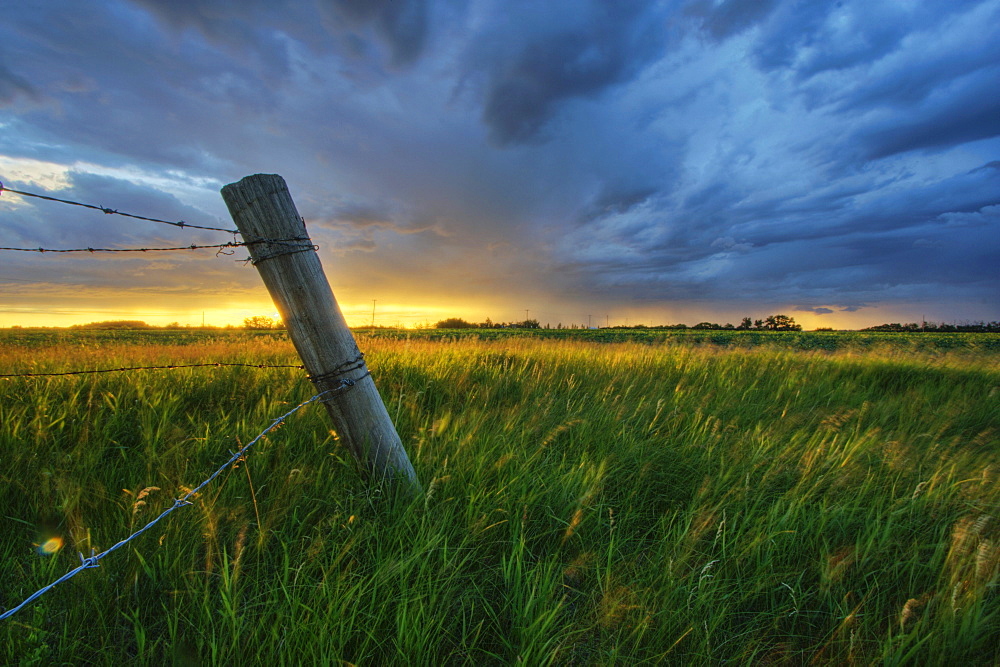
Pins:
x: 140, y: 498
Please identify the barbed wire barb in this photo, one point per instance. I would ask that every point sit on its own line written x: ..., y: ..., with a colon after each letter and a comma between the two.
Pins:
x: 111, y: 211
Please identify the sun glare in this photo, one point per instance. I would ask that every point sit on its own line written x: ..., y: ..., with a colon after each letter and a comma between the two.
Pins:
x: 50, y: 546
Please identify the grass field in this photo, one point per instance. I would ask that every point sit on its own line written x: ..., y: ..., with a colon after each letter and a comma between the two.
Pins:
x: 679, y: 501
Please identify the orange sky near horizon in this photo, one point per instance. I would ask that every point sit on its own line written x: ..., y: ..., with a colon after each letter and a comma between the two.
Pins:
x: 56, y: 309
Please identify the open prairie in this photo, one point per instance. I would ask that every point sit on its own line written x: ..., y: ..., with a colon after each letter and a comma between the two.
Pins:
x: 759, y: 500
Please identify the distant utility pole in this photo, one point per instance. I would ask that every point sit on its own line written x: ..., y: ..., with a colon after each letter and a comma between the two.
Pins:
x: 203, y: 319
x: 607, y: 321
x: 373, y: 312
x: 526, y: 311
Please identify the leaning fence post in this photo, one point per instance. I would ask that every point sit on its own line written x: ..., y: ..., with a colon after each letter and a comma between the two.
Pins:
x: 285, y: 257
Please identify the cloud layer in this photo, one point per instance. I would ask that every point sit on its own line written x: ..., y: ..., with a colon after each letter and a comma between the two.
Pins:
x: 676, y: 159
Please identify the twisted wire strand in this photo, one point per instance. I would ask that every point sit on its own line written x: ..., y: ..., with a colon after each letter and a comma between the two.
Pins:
x: 111, y: 211
x: 217, y: 364
x: 355, y: 364
x: 94, y: 558
x: 220, y: 246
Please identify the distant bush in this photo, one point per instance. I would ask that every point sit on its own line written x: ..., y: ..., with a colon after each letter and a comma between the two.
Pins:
x: 454, y: 323
x: 114, y: 324
x: 259, y: 322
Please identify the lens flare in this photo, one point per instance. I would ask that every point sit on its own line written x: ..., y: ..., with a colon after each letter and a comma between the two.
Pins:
x: 50, y: 546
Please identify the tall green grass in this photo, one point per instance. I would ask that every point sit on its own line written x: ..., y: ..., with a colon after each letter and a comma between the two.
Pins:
x: 584, y: 504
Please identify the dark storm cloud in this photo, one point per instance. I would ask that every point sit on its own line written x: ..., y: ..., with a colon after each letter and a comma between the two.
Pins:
x: 969, y: 112
x: 808, y: 38
x: 13, y: 86
x: 581, y: 51
x: 900, y: 82
x: 149, y: 97
x: 989, y: 166
x: 730, y: 17
x: 617, y: 200
x: 401, y: 24
x: 901, y: 239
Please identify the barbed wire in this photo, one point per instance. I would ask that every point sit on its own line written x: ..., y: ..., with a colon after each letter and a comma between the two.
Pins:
x: 355, y: 364
x: 220, y: 246
x: 111, y: 211
x: 218, y: 364
x: 93, y: 560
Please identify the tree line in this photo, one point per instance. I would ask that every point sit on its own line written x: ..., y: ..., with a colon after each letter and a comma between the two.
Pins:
x: 968, y: 327
x: 769, y: 323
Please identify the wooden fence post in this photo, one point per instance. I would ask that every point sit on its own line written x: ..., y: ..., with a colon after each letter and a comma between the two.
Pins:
x: 285, y: 256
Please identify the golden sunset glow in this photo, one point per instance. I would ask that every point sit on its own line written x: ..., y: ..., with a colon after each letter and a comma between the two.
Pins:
x: 397, y: 315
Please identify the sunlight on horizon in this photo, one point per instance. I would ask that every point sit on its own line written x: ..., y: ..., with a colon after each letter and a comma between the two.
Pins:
x: 391, y: 315
x: 399, y: 315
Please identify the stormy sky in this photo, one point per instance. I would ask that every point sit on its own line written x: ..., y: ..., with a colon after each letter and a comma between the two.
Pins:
x: 617, y: 161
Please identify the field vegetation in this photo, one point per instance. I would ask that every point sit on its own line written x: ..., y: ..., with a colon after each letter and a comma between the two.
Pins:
x: 678, y: 500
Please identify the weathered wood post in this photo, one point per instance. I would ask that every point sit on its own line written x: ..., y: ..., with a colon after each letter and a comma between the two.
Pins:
x: 285, y: 256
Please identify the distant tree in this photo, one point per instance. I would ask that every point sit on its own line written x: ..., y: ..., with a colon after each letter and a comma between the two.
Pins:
x: 454, y: 323
x: 527, y: 324
x: 781, y: 323
x: 745, y: 324
x: 706, y: 325
x: 114, y: 324
x: 261, y: 322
